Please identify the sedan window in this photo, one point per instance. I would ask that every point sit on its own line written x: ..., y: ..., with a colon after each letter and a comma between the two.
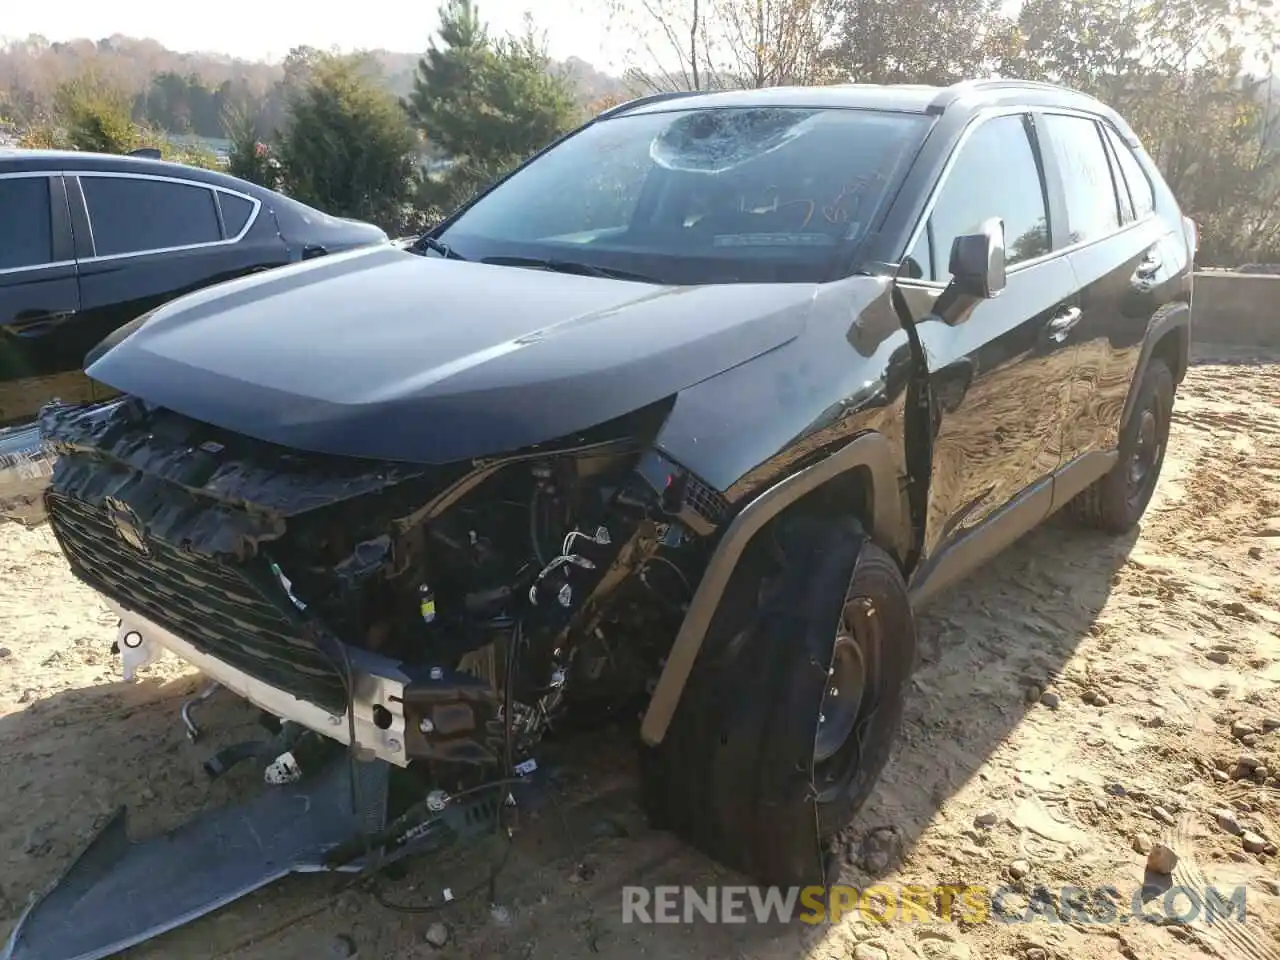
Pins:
x: 135, y: 215
x: 26, y: 232
x: 236, y: 211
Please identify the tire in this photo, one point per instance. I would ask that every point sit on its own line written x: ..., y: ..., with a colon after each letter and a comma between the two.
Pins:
x: 1116, y: 501
x: 740, y: 774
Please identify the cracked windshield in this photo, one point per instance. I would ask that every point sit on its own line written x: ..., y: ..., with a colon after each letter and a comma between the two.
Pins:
x: 700, y: 196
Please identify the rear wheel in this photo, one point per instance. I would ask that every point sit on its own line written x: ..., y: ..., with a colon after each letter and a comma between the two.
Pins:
x: 1116, y: 501
x: 793, y: 705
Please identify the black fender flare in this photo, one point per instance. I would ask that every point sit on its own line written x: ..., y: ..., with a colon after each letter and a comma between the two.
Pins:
x: 1172, y: 318
x: 889, y: 525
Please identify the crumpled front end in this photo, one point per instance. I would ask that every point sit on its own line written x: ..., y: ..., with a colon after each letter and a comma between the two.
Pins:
x: 441, y: 617
x: 180, y: 526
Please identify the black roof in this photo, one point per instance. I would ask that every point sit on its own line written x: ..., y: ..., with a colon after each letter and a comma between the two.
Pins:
x: 15, y: 160
x: 966, y: 96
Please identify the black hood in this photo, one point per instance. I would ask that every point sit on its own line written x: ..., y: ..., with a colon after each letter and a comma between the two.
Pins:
x: 386, y: 354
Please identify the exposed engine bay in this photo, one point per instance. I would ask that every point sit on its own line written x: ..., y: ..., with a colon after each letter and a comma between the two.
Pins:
x: 436, y: 621
x: 508, y: 593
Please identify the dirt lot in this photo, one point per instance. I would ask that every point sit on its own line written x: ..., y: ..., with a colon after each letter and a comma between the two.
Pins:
x: 1076, y: 704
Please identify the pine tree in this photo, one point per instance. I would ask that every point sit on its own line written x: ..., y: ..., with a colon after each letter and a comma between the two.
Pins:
x: 349, y: 148
x: 485, y: 104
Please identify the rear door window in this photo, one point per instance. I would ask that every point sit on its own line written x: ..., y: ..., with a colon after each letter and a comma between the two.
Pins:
x: 995, y: 174
x: 133, y: 215
x: 26, y: 229
x: 1093, y: 210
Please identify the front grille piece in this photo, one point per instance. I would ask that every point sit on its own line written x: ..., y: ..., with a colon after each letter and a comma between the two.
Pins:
x: 212, y: 605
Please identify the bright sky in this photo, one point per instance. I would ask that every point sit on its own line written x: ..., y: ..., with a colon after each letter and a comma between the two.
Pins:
x: 267, y: 29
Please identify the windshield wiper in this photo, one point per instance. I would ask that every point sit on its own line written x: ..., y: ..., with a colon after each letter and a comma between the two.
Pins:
x: 570, y: 266
x: 427, y: 242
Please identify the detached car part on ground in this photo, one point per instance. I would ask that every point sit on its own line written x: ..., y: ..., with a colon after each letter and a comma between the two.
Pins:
x: 25, y: 468
x: 676, y: 422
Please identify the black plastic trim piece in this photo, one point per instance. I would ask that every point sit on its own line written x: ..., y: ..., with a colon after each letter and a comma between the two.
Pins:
x: 889, y: 526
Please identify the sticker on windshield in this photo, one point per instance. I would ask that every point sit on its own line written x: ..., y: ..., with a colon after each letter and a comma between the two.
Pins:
x: 773, y: 240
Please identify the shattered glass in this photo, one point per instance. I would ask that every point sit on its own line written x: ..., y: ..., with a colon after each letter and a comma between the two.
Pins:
x: 715, y: 141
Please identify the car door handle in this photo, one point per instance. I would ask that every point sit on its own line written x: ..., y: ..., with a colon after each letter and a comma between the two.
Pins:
x: 36, y: 325
x: 1061, y: 324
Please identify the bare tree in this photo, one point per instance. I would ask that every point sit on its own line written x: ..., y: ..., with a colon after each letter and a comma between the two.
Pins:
x: 776, y: 42
x: 719, y: 44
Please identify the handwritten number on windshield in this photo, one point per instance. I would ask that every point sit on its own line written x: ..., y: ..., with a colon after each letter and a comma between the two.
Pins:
x: 833, y: 212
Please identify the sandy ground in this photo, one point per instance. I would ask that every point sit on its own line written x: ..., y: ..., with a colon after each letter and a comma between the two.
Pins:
x: 1075, y: 705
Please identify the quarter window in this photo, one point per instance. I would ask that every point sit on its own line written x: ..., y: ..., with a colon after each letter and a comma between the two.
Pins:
x: 1089, y: 192
x: 1122, y: 193
x: 26, y: 231
x: 1135, y: 177
x: 131, y: 215
x: 994, y: 175
x: 235, y: 212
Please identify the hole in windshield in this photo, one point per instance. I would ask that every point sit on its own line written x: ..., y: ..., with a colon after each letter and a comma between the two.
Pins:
x: 751, y: 194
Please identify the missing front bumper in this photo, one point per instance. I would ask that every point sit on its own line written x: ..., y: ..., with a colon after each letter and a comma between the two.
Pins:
x: 401, y: 713
x: 378, y: 689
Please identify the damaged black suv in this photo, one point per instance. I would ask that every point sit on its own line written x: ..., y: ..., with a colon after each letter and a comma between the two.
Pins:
x: 678, y: 420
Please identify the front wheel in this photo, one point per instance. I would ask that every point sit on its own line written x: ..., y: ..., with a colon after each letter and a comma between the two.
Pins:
x: 793, y: 706
x: 1117, y: 500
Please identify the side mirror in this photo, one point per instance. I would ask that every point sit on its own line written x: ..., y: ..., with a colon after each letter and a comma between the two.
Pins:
x: 977, y: 261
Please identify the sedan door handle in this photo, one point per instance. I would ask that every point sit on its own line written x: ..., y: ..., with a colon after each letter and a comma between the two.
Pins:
x: 39, y: 324
x: 1061, y: 325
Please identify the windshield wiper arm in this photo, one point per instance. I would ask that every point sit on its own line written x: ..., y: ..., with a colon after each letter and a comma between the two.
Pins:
x: 428, y: 242
x: 569, y: 266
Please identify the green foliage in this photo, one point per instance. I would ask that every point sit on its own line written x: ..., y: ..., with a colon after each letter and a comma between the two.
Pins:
x: 348, y: 148
x: 249, y: 158
x: 185, y: 104
x: 93, y: 115
x: 485, y: 103
x: 891, y: 41
x: 191, y: 155
x: 96, y: 116
x: 44, y: 135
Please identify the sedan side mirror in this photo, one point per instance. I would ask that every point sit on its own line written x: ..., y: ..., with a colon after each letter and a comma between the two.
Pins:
x: 977, y: 261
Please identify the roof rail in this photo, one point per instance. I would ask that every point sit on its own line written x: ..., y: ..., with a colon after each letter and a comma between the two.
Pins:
x: 951, y: 94
x: 645, y: 101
